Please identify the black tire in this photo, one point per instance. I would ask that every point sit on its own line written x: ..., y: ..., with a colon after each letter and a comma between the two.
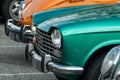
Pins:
x: 93, y: 71
x: 27, y: 56
x: 7, y: 11
x: 60, y: 78
x: 6, y: 31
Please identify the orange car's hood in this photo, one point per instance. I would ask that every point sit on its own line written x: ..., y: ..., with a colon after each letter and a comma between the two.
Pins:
x: 33, y: 6
x: 27, y: 1
x: 38, y: 5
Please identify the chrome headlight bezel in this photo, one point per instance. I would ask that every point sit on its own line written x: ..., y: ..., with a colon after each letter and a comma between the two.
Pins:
x: 110, y: 60
x: 56, y: 38
x: 34, y: 30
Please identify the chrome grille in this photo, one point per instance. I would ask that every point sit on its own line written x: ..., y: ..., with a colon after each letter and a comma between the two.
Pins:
x: 44, y: 42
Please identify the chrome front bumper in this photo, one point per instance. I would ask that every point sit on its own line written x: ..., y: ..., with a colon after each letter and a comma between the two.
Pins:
x: 64, y: 69
x: 12, y: 30
x: 18, y: 33
x: 44, y: 64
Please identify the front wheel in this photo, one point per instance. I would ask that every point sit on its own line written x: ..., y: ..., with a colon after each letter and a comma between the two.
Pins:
x: 10, y: 9
x: 6, y: 31
x: 27, y: 55
x: 59, y: 78
x: 94, y: 69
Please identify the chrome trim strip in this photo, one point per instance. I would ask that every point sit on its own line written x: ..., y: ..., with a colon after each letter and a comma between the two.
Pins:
x: 64, y: 69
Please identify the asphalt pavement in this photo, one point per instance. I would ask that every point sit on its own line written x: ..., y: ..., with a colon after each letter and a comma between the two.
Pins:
x: 13, y: 65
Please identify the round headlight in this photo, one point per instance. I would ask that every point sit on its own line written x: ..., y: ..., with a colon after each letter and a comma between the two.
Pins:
x: 34, y: 30
x: 56, y: 38
x: 110, y: 60
x: 117, y: 73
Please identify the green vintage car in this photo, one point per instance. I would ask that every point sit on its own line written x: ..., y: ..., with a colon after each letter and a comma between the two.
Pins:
x: 73, y: 45
x: 111, y: 65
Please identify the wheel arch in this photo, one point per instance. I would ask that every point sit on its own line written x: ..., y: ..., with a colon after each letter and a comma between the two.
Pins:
x: 1, y: 1
x: 98, y: 53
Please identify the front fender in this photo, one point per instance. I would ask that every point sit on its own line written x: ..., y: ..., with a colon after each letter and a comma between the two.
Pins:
x: 101, y: 45
x: 81, y: 40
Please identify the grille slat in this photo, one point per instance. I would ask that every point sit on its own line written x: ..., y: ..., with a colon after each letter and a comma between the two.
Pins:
x: 47, y: 43
x: 44, y: 49
x: 46, y: 46
x: 43, y: 33
x: 46, y: 39
x: 44, y: 42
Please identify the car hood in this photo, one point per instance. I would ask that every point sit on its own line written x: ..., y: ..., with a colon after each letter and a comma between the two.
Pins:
x: 40, y: 17
x: 33, y: 6
x: 27, y: 1
x: 106, y: 11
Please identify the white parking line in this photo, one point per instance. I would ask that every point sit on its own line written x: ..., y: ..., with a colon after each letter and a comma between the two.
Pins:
x: 22, y: 74
x: 12, y: 46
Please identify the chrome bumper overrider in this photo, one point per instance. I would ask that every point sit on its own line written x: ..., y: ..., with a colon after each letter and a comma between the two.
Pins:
x: 12, y: 30
x: 18, y: 33
x: 44, y: 64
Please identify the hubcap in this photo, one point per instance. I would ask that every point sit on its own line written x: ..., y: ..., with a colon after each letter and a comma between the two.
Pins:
x: 14, y: 9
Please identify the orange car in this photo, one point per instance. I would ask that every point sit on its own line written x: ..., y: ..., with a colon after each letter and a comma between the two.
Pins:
x: 36, y: 6
x: 14, y: 29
